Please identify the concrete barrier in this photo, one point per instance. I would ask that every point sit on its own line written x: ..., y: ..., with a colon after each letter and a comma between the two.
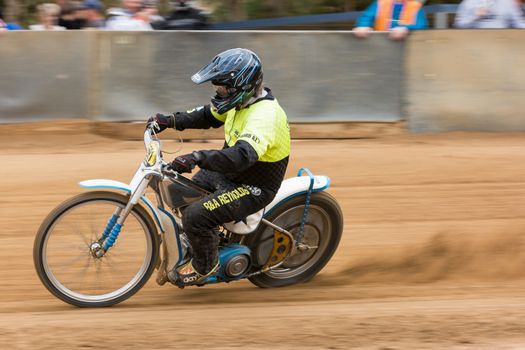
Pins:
x: 117, y: 76
x: 44, y: 75
x: 435, y: 81
x: 466, y: 80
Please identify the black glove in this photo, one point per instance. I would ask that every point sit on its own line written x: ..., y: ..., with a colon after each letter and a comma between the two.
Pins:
x: 185, y: 163
x: 161, y: 122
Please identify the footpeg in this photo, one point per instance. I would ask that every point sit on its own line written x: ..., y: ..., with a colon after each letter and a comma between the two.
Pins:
x: 174, y: 279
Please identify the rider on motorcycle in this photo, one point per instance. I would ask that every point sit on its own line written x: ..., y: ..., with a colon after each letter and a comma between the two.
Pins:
x: 246, y: 173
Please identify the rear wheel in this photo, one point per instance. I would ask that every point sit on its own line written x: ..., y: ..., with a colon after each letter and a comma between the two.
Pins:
x: 65, y: 261
x: 322, y: 233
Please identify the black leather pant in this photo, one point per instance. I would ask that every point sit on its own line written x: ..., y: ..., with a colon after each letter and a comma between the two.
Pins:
x: 229, y: 202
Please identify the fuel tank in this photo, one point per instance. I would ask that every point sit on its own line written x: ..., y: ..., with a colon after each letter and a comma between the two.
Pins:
x: 179, y: 192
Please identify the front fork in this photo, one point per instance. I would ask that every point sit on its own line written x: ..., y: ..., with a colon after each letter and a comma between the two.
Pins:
x: 114, y: 225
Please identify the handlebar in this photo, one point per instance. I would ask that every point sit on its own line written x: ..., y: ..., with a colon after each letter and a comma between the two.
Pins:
x: 149, y: 136
x: 166, y: 169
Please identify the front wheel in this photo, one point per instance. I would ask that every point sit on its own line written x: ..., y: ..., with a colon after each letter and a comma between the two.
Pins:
x: 65, y: 261
x: 322, y: 233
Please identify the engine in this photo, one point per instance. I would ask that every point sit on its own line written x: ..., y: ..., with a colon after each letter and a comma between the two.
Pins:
x: 234, y: 260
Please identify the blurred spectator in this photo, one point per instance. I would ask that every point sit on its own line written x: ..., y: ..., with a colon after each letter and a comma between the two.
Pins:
x: 7, y: 26
x: 186, y: 16
x: 489, y: 14
x: 70, y: 16
x: 48, y: 17
x: 397, y: 17
x: 91, y: 11
x: 129, y: 17
x: 150, y: 14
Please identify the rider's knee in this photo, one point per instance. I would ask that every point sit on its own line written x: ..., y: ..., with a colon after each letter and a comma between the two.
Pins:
x: 193, y: 219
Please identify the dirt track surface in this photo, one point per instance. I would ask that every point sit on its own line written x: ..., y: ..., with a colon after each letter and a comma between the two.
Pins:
x: 432, y: 255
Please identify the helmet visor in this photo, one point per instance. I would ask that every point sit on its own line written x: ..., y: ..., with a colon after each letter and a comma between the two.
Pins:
x: 209, y: 72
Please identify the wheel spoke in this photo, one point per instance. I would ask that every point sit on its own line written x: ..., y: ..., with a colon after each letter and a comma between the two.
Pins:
x: 83, y: 272
x: 74, y: 260
x: 74, y: 228
x: 94, y: 235
x: 112, y: 267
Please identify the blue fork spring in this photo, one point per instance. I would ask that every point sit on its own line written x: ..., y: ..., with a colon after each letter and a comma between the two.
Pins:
x: 112, y: 237
x: 109, y: 226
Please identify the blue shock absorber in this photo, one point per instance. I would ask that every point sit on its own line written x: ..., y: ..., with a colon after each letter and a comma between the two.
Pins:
x: 112, y: 237
x: 109, y: 226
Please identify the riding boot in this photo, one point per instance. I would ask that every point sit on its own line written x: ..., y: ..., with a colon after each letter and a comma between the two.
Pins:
x: 205, y: 246
x: 203, y: 264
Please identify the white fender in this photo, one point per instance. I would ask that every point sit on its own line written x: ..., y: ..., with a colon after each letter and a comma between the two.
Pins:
x: 295, y: 186
x: 117, y: 185
x: 290, y: 188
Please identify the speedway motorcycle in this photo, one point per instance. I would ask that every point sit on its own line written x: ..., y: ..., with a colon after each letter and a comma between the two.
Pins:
x: 100, y: 247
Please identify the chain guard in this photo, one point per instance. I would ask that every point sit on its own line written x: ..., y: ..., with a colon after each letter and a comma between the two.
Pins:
x: 282, y: 246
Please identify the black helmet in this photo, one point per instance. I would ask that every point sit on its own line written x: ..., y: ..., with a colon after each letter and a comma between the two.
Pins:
x: 240, y: 70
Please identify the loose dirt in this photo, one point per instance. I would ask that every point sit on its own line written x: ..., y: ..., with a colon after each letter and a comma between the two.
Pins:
x: 432, y: 254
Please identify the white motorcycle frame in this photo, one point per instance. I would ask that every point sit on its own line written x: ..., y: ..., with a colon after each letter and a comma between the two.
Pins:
x: 168, y: 225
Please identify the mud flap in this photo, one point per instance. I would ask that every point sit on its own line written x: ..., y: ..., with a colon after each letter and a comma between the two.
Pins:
x: 162, y: 273
x: 170, y: 247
